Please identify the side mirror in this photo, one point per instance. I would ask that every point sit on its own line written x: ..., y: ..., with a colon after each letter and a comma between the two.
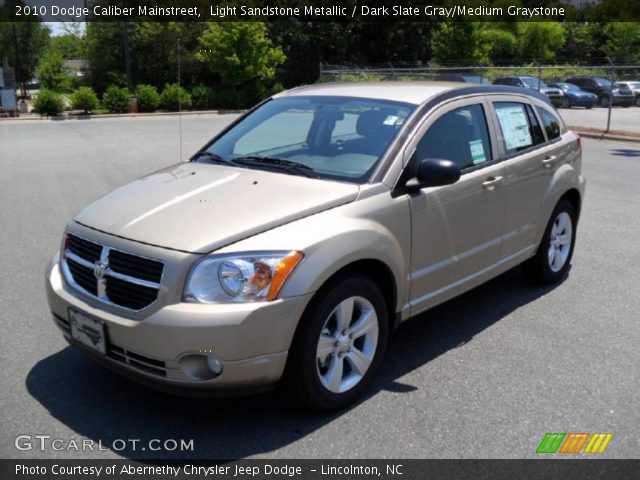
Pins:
x: 433, y: 172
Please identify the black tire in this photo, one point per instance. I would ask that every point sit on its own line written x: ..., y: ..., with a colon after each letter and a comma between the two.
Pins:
x: 537, y: 268
x: 637, y: 102
x: 302, y: 376
x: 589, y: 107
x: 604, y: 101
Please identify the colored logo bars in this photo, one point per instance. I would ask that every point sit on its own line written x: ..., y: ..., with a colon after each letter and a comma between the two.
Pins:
x: 574, y: 442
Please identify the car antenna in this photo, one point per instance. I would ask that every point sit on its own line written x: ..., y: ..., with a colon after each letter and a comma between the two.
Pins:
x: 179, y: 100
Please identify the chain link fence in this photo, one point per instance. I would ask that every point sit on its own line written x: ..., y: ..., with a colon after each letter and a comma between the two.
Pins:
x: 612, y: 118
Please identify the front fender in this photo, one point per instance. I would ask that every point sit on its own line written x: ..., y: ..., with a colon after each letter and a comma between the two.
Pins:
x: 334, y: 239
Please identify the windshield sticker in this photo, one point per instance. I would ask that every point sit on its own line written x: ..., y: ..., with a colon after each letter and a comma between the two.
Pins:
x: 477, y: 152
x: 515, y: 127
x: 390, y: 120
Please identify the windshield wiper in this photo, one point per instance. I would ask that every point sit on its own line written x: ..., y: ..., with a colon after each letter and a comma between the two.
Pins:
x: 217, y: 158
x: 280, y: 163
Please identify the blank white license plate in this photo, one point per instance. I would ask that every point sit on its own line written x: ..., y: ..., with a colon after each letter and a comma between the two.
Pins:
x: 88, y: 331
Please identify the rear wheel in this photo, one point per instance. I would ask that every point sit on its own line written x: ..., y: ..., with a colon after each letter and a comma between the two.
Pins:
x: 604, y: 101
x: 553, y: 258
x: 637, y: 102
x: 339, y: 345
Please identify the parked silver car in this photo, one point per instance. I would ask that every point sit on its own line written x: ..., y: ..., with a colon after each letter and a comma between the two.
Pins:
x: 292, y: 244
x: 634, y: 87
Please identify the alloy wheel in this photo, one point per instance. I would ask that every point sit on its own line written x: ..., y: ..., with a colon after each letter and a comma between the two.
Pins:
x: 347, y: 344
x: 560, y: 241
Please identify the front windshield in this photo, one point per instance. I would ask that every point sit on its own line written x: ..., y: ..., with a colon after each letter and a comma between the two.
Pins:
x: 534, y: 82
x: 340, y: 138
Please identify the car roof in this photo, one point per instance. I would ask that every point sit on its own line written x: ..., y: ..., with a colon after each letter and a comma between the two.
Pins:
x: 408, y: 92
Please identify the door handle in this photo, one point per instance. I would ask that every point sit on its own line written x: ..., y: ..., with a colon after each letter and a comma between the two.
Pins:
x: 549, y: 160
x: 491, y: 182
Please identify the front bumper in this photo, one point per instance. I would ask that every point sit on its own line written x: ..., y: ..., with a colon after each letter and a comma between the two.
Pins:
x: 251, y: 340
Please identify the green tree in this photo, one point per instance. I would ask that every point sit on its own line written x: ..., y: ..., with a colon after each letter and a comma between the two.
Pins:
x: 623, y: 42
x: 459, y: 43
x: 583, y: 41
x: 22, y: 43
x: 501, y: 45
x: 540, y: 40
x: 67, y: 45
x: 239, y: 52
x: 105, y: 55
x: 51, y: 72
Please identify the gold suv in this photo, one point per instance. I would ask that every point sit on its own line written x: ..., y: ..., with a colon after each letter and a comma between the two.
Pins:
x: 289, y: 247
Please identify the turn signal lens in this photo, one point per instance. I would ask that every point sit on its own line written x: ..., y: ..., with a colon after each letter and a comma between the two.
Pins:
x: 282, y: 272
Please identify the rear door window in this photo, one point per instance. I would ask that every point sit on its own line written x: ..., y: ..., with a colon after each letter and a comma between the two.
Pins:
x: 517, y: 131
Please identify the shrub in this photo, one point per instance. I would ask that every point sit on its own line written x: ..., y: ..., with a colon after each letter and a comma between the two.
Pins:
x: 201, y: 97
x: 116, y: 99
x: 84, y: 99
x: 174, y: 96
x: 148, y: 98
x: 48, y: 103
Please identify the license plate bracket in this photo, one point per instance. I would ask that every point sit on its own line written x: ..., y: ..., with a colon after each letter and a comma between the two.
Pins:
x: 88, y: 331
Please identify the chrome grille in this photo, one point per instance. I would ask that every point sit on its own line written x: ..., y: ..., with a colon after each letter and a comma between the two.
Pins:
x: 112, y: 276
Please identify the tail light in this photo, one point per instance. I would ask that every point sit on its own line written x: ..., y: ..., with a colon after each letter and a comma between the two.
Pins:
x: 578, y: 142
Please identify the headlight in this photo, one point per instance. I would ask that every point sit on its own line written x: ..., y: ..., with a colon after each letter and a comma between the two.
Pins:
x: 251, y: 277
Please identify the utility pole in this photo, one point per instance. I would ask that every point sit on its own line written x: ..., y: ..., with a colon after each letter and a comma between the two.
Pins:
x: 179, y: 98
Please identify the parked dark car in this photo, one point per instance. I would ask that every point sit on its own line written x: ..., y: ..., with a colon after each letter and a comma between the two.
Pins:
x: 602, y: 87
x: 555, y: 94
x: 455, y: 77
x: 576, y: 97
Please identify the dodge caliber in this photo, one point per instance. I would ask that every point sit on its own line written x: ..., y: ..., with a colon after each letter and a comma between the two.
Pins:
x: 291, y: 245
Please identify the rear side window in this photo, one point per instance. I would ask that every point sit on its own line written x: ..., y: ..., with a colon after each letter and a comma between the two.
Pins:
x: 460, y: 135
x: 550, y: 122
x: 517, y: 132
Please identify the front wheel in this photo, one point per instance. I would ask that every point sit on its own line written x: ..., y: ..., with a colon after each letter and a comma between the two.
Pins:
x: 604, y: 101
x: 637, y: 102
x: 552, y: 260
x: 339, y: 345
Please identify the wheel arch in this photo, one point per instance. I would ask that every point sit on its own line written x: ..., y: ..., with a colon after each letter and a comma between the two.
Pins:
x: 573, y: 197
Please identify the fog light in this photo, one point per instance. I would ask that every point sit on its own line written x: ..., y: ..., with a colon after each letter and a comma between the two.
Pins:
x: 201, y: 367
x: 214, y: 365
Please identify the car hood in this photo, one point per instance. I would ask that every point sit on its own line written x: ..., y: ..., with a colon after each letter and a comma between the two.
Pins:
x: 199, y: 207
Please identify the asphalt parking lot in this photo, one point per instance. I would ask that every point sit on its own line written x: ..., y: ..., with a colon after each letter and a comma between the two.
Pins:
x: 485, y: 375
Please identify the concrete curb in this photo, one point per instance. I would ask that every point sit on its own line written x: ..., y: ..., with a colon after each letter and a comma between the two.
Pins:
x: 58, y: 118
x: 605, y: 136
